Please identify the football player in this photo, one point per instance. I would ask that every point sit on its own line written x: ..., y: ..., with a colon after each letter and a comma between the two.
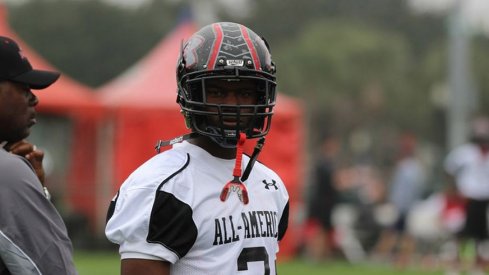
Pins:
x: 203, y: 207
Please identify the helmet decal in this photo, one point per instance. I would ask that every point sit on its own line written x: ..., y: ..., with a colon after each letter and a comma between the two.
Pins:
x: 215, y: 48
x: 234, y: 44
x: 251, y: 47
x: 192, y: 46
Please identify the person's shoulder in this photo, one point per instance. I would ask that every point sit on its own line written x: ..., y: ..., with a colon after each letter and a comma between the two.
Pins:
x: 159, y: 167
x: 272, y: 183
x: 464, y: 150
x: 262, y: 168
x: 168, y: 159
x: 12, y: 165
x: 7, y: 159
x: 460, y: 156
x: 16, y: 176
x: 262, y: 171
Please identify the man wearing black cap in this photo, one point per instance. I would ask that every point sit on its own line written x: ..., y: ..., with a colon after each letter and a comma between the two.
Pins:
x: 33, y: 237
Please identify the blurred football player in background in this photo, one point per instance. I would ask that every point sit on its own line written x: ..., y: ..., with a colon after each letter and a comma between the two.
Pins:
x: 468, y: 167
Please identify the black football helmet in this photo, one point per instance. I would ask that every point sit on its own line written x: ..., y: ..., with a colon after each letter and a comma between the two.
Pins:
x: 228, y: 52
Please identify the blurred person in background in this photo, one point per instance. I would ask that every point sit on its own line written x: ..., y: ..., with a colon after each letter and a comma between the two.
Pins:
x: 434, y: 224
x: 322, y: 199
x: 468, y: 167
x: 33, y: 237
x: 404, y: 192
x: 452, y: 219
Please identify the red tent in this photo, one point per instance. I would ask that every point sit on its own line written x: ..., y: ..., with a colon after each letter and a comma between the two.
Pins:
x: 70, y: 99
x: 142, y: 109
x: 66, y: 96
x: 141, y: 106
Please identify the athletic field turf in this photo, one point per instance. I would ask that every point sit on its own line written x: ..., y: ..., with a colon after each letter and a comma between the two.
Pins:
x: 105, y: 263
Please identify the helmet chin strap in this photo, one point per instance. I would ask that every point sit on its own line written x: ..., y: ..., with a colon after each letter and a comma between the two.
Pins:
x: 162, y: 143
x: 258, y: 147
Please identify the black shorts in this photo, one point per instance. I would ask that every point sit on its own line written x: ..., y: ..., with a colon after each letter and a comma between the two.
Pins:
x: 476, y: 219
x: 323, y: 216
x: 400, y: 224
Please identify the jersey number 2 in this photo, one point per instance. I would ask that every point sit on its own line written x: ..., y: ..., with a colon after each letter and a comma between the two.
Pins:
x: 253, y: 254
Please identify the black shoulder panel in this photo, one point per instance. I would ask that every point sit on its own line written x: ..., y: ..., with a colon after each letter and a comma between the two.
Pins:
x: 111, y: 209
x: 171, y: 223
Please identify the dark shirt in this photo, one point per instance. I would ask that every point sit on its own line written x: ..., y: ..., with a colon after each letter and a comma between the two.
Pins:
x: 323, y: 195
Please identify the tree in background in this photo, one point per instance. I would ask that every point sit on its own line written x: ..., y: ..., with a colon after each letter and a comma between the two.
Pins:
x: 369, y: 64
x: 89, y: 40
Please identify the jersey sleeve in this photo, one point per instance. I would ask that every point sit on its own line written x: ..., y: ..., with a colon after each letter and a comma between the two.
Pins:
x: 33, y: 236
x: 128, y: 225
x: 149, y: 223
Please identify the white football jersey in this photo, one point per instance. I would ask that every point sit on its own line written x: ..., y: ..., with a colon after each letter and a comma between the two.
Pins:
x: 470, y: 167
x: 169, y: 209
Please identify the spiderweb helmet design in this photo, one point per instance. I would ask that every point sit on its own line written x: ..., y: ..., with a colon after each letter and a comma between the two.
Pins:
x: 228, y: 52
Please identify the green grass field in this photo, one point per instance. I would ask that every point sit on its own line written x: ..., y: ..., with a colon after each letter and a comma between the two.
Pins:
x: 105, y: 263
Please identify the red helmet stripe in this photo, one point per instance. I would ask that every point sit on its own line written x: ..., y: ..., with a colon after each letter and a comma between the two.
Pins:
x: 254, y: 54
x: 217, y: 46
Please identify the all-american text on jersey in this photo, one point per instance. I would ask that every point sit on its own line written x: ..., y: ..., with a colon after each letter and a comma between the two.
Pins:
x: 255, y: 224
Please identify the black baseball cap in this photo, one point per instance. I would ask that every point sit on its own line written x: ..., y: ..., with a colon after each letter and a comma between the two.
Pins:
x: 16, y: 68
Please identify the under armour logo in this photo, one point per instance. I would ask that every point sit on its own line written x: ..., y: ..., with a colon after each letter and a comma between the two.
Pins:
x: 267, y: 185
